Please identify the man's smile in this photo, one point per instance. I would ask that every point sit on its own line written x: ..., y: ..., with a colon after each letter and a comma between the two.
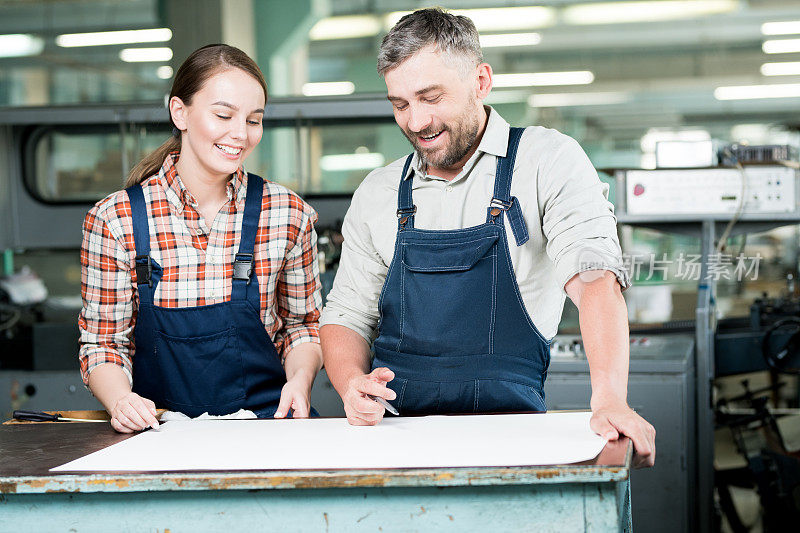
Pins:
x: 426, y: 140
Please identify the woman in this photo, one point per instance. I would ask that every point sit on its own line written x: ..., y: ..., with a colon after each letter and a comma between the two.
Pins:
x: 200, y: 281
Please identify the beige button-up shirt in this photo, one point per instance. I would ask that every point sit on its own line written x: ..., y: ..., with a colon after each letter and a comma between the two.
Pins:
x: 571, y: 224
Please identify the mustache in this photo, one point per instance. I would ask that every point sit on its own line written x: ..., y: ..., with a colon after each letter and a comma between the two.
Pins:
x: 427, y: 132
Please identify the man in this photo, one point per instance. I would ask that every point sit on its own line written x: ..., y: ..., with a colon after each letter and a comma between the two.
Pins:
x: 460, y: 263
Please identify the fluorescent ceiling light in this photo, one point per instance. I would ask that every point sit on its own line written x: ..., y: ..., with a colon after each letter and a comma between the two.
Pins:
x: 498, y: 40
x: 20, y: 44
x: 781, y: 46
x: 328, y: 88
x: 628, y: 12
x: 143, y: 55
x: 103, y: 38
x: 787, y: 68
x: 527, y: 79
x: 346, y: 27
x: 751, y: 92
x: 781, y: 28
x: 577, y: 99
x: 496, y: 18
x: 340, y: 162
x: 164, y: 72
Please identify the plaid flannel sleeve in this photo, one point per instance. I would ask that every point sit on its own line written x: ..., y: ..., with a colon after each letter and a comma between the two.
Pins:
x: 298, y: 292
x: 108, y: 315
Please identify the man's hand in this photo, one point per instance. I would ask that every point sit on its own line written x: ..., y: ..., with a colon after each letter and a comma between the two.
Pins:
x: 295, y: 395
x: 133, y: 413
x: 360, y: 410
x: 612, y: 420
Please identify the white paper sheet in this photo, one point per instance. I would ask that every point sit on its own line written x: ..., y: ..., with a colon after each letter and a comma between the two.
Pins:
x: 321, y: 444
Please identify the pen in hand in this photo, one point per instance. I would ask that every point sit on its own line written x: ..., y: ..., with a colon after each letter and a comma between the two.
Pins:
x: 384, y: 403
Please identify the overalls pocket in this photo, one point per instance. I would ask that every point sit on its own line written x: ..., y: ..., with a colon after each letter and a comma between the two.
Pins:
x: 419, y: 398
x: 445, y: 284
x: 202, y: 372
x: 501, y: 396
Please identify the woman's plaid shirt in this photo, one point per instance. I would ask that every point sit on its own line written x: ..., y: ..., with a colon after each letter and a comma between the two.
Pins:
x: 197, y: 263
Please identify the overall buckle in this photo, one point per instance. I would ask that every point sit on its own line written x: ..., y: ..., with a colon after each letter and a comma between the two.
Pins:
x: 497, y: 204
x: 144, y: 270
x: 243, y: 267
x: 403, y: 214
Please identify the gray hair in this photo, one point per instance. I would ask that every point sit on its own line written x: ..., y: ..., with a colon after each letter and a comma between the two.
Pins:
x: 451, y: 34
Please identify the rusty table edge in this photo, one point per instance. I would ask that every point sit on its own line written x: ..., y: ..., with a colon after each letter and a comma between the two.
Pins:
x: 320, y: 479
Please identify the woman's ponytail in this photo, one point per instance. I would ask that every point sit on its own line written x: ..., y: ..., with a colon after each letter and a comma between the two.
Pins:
x: 152, y: 163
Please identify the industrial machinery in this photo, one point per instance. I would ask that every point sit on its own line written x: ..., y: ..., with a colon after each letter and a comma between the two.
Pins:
x: 769, y: 339
x: 712, y: 204
x: 769, y: 465
x: 661, y: 389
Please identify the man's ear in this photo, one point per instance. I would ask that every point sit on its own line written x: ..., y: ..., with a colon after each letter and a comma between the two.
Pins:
x: 484, y: 81
x: 177, y: 110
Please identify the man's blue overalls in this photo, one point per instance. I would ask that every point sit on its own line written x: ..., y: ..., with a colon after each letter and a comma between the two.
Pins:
x: 453, y: 324
x: 211, y: 358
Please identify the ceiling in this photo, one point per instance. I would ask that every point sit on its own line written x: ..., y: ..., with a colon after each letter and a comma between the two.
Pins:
x: 663, y: 73
x: 666, y: 71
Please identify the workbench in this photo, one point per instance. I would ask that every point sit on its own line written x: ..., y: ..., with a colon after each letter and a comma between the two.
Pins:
x: 589, y: 496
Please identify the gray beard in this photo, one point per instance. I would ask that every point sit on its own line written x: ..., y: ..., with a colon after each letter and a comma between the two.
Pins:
x: 461, y: 143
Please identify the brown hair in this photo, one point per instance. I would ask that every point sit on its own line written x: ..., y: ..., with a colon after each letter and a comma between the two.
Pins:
x: 202, y: 64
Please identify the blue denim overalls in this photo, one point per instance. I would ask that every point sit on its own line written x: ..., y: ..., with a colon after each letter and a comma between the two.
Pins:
x: 211, y: 358
x: 453, y: 325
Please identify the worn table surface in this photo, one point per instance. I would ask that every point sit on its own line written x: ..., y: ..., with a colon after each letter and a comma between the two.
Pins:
x: 593, y: 496
x: 29, y: 450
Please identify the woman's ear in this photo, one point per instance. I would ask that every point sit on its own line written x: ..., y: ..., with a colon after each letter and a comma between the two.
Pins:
x: 177, y: 110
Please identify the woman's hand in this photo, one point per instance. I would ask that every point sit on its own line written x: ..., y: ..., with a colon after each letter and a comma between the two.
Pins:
x: 301, y: 364
x: 133, y: 413
x: 295, y: 395
x: 129, y: 411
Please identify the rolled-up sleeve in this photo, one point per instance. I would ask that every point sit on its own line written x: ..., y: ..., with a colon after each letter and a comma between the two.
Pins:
x: 299, y: 291
x: 353, y: 300
x: 578, y: 219
x: 107, y: 318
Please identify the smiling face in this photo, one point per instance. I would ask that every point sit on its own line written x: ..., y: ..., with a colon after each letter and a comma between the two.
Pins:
x: 221, y: 125
x: 437, y: 103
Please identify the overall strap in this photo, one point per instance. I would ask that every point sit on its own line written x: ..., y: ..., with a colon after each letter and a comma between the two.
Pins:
x: 502, y: 200
x: 243, y: 264
x: 405, y: 204
x: 141, y: 238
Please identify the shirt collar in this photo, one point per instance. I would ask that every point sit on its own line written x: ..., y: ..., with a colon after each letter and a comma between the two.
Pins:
x: 179, y: 196
x: 493, y: 142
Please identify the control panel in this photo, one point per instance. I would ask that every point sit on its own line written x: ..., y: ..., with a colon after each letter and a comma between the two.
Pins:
x: 570, y: 347
x: 767, y: 189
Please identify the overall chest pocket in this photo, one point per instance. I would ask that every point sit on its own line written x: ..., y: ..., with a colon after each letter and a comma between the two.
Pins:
x: 201, y: 373
x: 448, y: 303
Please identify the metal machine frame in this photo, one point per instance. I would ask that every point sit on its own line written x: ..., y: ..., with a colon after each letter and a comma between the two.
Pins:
x: 707, y: 228
x: 28, y: 223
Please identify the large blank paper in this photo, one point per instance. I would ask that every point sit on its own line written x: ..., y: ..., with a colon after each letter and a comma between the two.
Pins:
x: 332, y: 443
